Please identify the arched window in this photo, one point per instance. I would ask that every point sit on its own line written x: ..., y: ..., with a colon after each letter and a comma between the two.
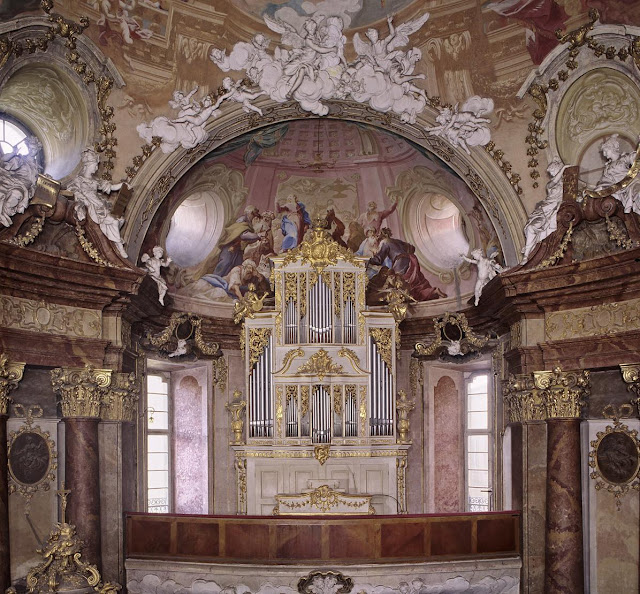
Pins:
x: 13, y: 135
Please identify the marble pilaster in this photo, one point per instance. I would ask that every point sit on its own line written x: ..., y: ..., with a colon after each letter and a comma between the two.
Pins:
x: 10, y: 374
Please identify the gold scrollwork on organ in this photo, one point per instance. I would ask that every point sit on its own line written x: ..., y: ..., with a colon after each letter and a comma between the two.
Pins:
x: 320, y: 371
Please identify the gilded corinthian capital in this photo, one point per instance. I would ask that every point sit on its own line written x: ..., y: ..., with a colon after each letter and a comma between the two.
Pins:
x: 81, y: 389
x: 120, y: 399
x: 563, y: 393
x: 10, y: 374
x: 544, y: 395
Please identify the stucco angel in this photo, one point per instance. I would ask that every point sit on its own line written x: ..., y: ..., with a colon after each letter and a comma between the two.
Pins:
x: 188, y: 129
x: 464, y: 126
x: 18, y: 175
x: 542, y: 221
x: 154, y: 264
x: 487, y: 269
x: 310, y: 67
x: 616, y: 168
x: 237, y: 92
x: 87, y: 192
x: 379, y: 52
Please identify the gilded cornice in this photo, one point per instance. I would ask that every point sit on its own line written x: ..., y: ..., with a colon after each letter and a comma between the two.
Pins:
x: 80, y: 389
x: 10, y: 375
x: 120, y: 399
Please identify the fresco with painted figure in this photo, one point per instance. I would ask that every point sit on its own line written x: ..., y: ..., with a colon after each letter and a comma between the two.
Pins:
x: 383, y: 199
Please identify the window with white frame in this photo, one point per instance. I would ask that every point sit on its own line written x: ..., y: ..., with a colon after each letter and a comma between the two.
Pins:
x: 478, y: 443
x: 158, y: 446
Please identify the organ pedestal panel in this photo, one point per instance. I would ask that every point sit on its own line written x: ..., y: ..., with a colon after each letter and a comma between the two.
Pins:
x: 320, y: 393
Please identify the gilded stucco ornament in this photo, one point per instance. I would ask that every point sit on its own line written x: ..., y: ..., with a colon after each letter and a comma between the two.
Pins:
x: 404, y: 406
x: 81, y: 389
x: 10, y: 375
x: 182, y: 336
x: 454, y: 340
x: 615, y: 455
x: 382, y: 339
x: 320, y: 250
x: 258, y: 340
x: 62, y: 568
x: 522, y: 399
x: 563, y: 393
x: 120, y: 399
x: 321, y: 453
x: 319, y: 364
x: 236, y: 409
x: 249, y: 305
x: 31, y: 455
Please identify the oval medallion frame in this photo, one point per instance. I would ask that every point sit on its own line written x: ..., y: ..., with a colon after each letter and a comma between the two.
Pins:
x: 615, y: 459
x: 31, y: 454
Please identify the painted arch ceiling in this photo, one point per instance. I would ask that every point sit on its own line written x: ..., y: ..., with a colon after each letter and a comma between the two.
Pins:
x: 299, y: 169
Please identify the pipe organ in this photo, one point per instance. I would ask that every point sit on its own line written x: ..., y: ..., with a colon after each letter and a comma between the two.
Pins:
x: 321, y: 397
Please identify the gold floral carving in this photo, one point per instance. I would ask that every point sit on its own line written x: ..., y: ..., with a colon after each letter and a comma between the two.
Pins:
x: 401, y: 470
x: 615, y: 459
x: 236, y: 409
x: 349, y: 287
x: 169, y: 334
x: 120, y: 399
x: 258, y: 341
x: 303, y: 294
x: 617, y: 235
x: 382, y: 339
x: 319, y: 364
x: 563, y: 393
x: 560, y: 250
x: 28, y: 489
x: 39, y: 316
x: 320, y: 250
x: 303, y: 454
x: 288, y: 358
x: 279, y: 410
x: 498, y: 156
x: 362, y: 305
x: 220, y: 371
x: 29, y: 236
x: 404, y: 406
x: 468, y: 339
x: 290, y: 287
x: 522, y: 399
x: 241, y: 474
x: 10, y: 375
x: 598, y: 320
x: 81, y: 389
x: 321, y: 453
x: 304, y: 400
x: 337, y: 400
x: 351, y: 355
x: 324, y: 498
x: 416, y: 375
x: 277, y: 286
x: 363, y: 411
x: 89, y: 248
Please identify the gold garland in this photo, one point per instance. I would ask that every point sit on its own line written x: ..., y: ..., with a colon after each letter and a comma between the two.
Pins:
x: 89, y: 248
x: 30, y: 235
x: 560, y: 251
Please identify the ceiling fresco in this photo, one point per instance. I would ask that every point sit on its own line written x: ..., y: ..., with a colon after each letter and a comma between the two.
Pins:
x: 257, y: 196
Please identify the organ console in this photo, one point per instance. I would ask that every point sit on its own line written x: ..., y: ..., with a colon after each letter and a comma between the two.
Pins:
x: 321, y: 371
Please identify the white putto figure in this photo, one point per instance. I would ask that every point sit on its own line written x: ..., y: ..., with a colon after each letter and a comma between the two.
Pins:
x: 188, y: 129
x: 18, y: 175
x: 153, y: 264
x: 86, y: 192
x: 616, y: 168
x: 542, y: 221
x: 487, y: 269
x: 311, y: 68
x: 464, y: 127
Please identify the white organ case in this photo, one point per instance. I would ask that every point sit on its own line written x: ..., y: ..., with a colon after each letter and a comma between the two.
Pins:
x: 320, y: 391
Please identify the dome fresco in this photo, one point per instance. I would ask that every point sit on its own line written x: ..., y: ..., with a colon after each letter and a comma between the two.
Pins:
x: 375, y: 188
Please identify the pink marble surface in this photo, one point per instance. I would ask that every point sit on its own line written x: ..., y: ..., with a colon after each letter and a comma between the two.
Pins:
x: 448, y: 446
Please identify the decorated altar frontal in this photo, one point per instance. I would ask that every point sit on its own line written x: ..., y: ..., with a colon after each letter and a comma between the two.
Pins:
x: 177, y: 553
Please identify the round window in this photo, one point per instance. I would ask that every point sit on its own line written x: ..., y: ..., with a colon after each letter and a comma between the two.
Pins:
x: 195, y: 228
x: 438, y: 231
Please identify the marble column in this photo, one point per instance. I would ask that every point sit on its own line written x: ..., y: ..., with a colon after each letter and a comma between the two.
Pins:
x: 10, y: 375
x: 118, y: 458
x: 563, y: 395
x: 81, y: 391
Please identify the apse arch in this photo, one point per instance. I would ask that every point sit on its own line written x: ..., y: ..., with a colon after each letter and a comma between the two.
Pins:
x: 479, y: 171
